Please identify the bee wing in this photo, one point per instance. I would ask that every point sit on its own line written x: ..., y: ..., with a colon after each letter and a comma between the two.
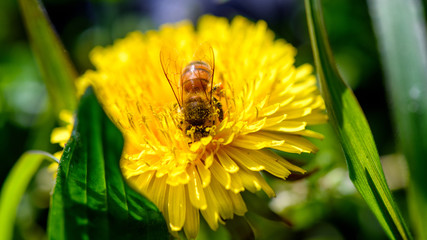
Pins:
x: 172, y: 65
x: 205, y: 53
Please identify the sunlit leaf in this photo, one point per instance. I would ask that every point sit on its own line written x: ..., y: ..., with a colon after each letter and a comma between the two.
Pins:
x: 400, y: 28
x: 14, y: 188
x: 91, y: 199
x: 353, y: 130
x: 54, y: 63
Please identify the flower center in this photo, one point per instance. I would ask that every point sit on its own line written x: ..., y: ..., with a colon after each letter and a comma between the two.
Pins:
x: 198, y: 116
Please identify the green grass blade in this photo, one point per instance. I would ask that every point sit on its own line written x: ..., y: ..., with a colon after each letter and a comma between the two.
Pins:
x: 400, y: 28
x: 353, y: 131
x: 91, y: 200
x: 54, y: 63
x: 14, y: 188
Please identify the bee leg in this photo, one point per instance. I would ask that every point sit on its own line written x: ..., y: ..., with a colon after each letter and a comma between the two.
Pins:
x: 220, y: 111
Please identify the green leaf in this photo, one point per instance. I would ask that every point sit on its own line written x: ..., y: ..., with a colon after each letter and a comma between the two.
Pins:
x: 353, y: 131
x: 91, y: 200
x: 54, y: 63
x: 400, y: 28
x: 14, y: 188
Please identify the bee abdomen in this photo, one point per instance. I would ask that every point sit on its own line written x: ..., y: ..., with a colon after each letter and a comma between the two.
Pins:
x: 196, y: 112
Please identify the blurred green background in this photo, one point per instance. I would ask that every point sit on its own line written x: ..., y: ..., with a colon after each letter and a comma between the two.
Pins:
x: 322, y: 206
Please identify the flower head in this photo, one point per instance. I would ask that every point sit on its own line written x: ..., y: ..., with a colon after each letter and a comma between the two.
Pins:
x: 261, y: 102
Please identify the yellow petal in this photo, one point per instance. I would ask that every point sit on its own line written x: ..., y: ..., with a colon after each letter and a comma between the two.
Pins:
x: 196, y: 146
x: 291, y: 166
x: 211, y: 214
x: 227, y: 163
x: 303, y: 71
x: 222, y: 200
x: 205, y: 174
x: 178, y: 177
x: 192, y: 221
x: 58, y: 154
x: 66, y: 116
x: 220, y: 175
x: 317, y: 117
x: 264, y: 185
x: 269, y: 161
x: 263, y: 139
x: 287, y: 126
x: 270, y: 110
x: 302, y: 103
x: 206, y: 140
x: 143, y: 180
x: 209, y: 160
x: 256, y: 141
x: 249, y: 181
x: 195, y: 189
x: 177, y: 207
x: 157, y: 192
x: 309, y: 133
x: 275, y: 120
x: 238, y: 203
x: 236, y: 185
x: 307, y: 86
x: 244, y: 158
x: 60, y: 135
x: 254, y: 127
x: 296, y: 113
x: 297, y: 142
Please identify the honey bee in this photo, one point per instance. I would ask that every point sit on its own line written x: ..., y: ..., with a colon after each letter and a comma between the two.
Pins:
x: 191, y: 81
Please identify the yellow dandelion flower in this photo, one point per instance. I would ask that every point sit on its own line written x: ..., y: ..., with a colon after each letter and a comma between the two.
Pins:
x: 257, y: 101
x: 61, y: 135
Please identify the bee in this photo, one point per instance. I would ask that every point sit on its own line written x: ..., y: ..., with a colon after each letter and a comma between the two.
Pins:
x: 191, y: 81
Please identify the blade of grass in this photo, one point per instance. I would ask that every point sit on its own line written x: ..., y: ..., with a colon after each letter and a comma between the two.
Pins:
x: 14, y: 187
x: 54, y: 63
x: 400, y: 30
x: 353, y: 130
